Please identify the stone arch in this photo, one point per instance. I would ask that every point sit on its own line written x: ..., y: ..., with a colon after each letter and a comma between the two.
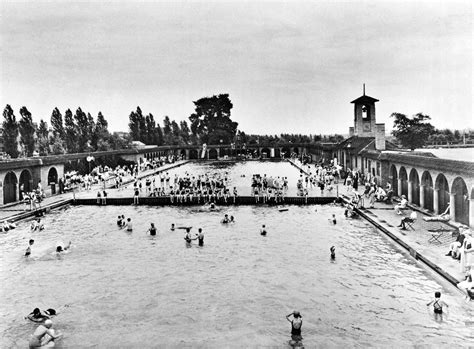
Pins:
x: 183, y: 153
x: 212, y: 153
x: 461, y: 200
x: 52, y: 176
x: 441, y: 185
x: 394, y: 178
x: 427, y: 183
x: 265, y: 152
x: 25, y: 183
x: 193, y: 154
x: 277, y: 152
x: 286, y: 151
x: 415, y: 186
x: 296, y: 150
x: 9, y: 187
x: 404, y: 180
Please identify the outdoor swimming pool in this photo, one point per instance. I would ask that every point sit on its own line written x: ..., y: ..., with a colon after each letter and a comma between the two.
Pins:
x: 133, y: 290
x: 240, y: 175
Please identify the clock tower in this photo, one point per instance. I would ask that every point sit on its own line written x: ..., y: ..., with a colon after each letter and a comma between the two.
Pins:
x: 364, y: 116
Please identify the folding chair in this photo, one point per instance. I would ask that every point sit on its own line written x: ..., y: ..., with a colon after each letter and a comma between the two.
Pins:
x: 409, y: 224
x: 435, y: 237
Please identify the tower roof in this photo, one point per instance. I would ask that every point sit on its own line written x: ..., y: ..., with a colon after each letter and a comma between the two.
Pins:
x: 364, y: 99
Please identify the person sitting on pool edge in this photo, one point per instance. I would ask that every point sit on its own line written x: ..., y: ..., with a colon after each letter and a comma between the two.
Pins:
x: 296, y: 324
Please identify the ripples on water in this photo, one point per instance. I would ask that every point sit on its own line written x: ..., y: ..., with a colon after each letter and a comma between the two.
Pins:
x: 132, y: 290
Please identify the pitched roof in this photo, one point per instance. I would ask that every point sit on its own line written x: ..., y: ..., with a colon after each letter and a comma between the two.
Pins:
x: 365, y: 98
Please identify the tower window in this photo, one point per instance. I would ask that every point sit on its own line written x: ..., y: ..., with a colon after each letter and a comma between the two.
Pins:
x: 364, y: 112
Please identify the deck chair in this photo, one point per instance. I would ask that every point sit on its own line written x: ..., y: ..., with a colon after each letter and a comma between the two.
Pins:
x: 410, y: 224
x: 435, y: 236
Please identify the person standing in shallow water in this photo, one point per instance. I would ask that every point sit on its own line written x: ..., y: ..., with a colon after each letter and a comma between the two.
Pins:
x: 296, y: 324
x: 200, y: 237
x: 438, y: 305
x: 263, y: 231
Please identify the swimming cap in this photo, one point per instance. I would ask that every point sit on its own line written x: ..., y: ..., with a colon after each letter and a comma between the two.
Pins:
x: 48, y: 323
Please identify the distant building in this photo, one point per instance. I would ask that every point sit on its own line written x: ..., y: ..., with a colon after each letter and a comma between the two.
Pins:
x: 366, y: 140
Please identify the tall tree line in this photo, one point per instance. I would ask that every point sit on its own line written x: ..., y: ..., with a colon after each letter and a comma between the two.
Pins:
x: 75, y: 133
x: 146, y: 130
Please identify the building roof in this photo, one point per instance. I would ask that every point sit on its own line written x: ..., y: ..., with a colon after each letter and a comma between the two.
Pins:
x: 355, y: 144
x: 364, y: 99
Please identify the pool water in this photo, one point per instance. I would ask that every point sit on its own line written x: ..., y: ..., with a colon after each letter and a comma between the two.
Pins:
x: 240, y: 176
x: 136, y: 291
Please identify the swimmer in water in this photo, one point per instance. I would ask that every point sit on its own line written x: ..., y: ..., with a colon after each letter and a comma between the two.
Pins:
x: 225, y: 220
x: 438, y: 305
x: 232, y: 219
x: 44, y: 335
x: 296, y: 324
x: 333, y: 219
x: 60, y: 248
x: 172, y: 227
x: 128, y: 225
x: 119, y: 221
x: 200, y: 237
x: 152, y: 229
x: 37, y: 315
x: 333, y: 252
x: 28, y: 249
x: 188, y: 237
x: 263, y: 231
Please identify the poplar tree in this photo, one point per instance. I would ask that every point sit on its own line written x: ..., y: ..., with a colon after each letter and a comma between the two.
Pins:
x: 70, y: 132
x: 10, y: 132
x: 27, y: 132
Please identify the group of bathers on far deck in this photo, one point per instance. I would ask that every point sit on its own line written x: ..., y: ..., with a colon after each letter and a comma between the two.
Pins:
x: 209, y: 187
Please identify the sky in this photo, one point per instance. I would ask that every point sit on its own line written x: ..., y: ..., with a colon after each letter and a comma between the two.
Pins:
x: 289, y: 67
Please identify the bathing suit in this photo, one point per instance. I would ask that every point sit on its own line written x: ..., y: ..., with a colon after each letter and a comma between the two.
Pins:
x: 152, y: 231
x: 201, y: 240
x: 296, y: 332
x: 438, y: 309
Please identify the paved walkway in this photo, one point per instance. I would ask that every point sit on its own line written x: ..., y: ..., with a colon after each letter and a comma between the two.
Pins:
x: 15, y: 211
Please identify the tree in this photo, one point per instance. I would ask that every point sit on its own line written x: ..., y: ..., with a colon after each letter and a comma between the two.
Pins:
x: 82, y: 128
x: 211, y: 121
x: 150, y: 128
x: 71, y: 134
x: 137, y: 125
x: 43, y: 138
x: 27, y: 132
x: 101, y: 134
x: 10, y: 132
x: 412, y: 133
x: 185, y: 132
x: 158, y: 135
x: 57, y: 124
